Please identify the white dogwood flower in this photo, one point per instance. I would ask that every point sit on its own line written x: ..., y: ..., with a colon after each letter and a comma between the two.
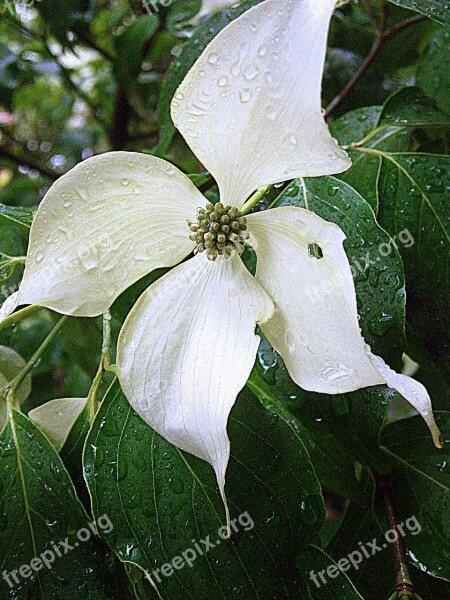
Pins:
x: 250, y: 110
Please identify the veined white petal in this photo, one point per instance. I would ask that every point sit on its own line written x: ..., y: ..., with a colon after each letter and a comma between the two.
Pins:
x: 250, y: 107
x: 104, y: 225
x: 57, y: 417
x: 409, y: 367
x: 413, y: 391
x: 11, y: 363
x: 315, y: 327
x: 211, y: 6
x: 187, y: 349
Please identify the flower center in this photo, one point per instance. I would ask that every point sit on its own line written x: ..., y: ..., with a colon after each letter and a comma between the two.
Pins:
x: 219, y: 230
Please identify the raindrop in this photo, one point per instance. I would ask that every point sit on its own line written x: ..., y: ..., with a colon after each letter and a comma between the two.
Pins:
x: 213, y: 58
x: 262, y: 51
x: 271, y: 112
x: 245, y: 95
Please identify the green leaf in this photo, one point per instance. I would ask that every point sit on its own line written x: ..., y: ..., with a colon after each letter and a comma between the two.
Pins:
x: 334, y: 584
x: 72, y: 453
x: 364, y: 521
x: 180, y: 13
x: 13, y: 71
x: 439, y: 10
x: 61, y: 15
x: 38, y: 507
x: 16, y: 216
x: 177, y: 71
x: 429, y: 587
x: 433, y: 74
x: 333, y: 463
x: 422, y: 490
x: 410, y: 107
x: 354, y: 127
x: 413, y: 188
x: 130, y: 48
x: 162, y: 501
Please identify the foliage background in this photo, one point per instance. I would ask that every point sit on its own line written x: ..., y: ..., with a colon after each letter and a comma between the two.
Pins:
x: 80, y: 77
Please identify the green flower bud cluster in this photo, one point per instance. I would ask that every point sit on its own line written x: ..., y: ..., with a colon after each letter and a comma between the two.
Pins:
x: 219, y: 230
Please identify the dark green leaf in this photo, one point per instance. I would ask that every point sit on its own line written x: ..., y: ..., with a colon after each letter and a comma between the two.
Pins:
x: 38, y: 507
x: 332, y: 584
x: 180, y: 13
x: 410, y: 107
x: 422, y: 490
x: 354, y: 127
x: 433, y: 74
x: 364, y: 521
x: 17, y: 216
x: 439, y: 10
x: 162, y: 501
x: 413, y: 189
x: 333, y: 463
x: 72, y: 453
x: 428, y: 587
x: 61, y: 15
x: 130, y: 48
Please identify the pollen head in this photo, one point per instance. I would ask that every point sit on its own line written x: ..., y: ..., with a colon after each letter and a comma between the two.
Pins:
x: 219, y: 230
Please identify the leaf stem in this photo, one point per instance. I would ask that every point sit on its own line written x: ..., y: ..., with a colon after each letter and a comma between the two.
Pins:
x: 106, y: 344
x: 368, y: 138
x: 14, y: 260
x: 105, y: 365
x: 18, y: 379
x: 19, y: 315
x: 253, y: 200
x: 382, y: 35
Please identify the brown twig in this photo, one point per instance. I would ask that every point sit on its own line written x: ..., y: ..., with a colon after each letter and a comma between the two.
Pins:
x: 385, y: 490
x: 381, y: 37
x: 91, y: 43
x: 370, y: 14
x: 119, y: 129
x: 28, y: 162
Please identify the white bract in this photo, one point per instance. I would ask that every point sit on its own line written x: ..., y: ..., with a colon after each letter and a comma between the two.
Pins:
x: 250, y: 110
x: 57, y: 417
x: 11, y: 364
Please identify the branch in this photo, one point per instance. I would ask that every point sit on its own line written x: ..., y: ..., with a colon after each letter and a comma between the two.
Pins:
x: 68, y: 78
x: 27, y: 31
x: 28, y: 162
x: 119, y: 129
x: 91, y: 43
x: 386, y: 492
x: 382, y: 36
